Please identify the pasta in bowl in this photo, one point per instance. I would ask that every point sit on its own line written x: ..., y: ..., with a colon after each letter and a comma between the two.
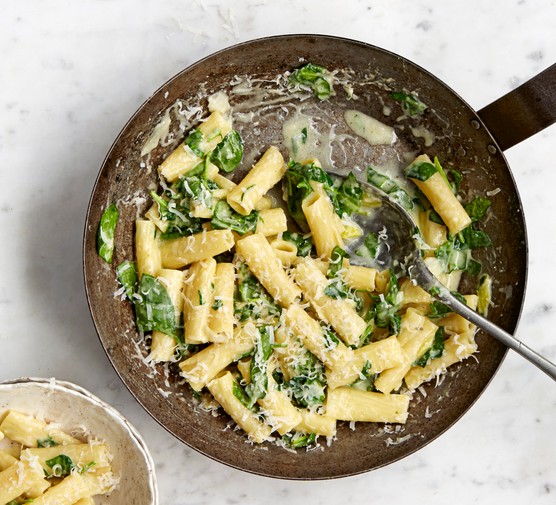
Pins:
x: 233, y: 296
x: 60, y: 444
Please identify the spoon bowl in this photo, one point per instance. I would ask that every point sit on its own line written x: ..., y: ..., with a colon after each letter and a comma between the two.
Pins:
x: 399, y: 251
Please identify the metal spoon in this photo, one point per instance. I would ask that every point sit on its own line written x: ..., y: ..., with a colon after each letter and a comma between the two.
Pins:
x: 399, y: 251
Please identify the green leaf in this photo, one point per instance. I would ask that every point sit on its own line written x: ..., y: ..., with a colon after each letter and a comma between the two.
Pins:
x: 225, y: 217
x: 127, y: 276
x: 456, y: 177
x: 366, y: 381
x: 240, y: 394
x: 194, y: 141
x: 85, y: 468
x: 389, y: 187
x: 154, y: 309
x: 335, y: 264
x: 228, y: 154
x: 61, y: 465
x: 387, y: 306
x: 217, y: 304
x: 298, y: 440
x: 47, y: 442
x: 474, y: 239
x: 337, y: 290
x: 315, y: 78
x: 304, y: 244
x: 409, y: 102
x: 436, y: 350
x: 477, y: 208
x: 421, y: 171
x: 350, y: 195
x: 438, y: 309
x: 106, y: 231
x: 258, y: 386
x: 372, y: 243
x: 297, y: 187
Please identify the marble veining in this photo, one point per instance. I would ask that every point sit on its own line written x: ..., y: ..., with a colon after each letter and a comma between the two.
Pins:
x: 72, y: 73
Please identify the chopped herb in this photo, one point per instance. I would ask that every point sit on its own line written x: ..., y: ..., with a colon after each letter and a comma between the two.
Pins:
x: 435, y: 218
x: 228, y: 154
x: 47, y: 442
x: 218, y: 303
x: 436, y: 350
x: 85, y: 468
x: 409, y: 102
x: 225, y: 217
x: 105, y: 233
x: 313, y: 77
x: 127, y: 276
x: 154, y: 309
x: 304, y: 244
x: 61, y: 465
x: 201, y: 300
x: 390, y: 188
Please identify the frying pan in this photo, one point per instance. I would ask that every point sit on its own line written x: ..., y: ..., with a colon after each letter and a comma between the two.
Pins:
x: 471, y: 141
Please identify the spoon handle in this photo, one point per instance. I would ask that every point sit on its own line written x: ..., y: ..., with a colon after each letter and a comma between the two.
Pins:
x: 507, y: 339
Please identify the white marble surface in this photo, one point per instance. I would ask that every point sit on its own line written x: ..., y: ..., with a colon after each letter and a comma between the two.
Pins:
x: 73, y: 72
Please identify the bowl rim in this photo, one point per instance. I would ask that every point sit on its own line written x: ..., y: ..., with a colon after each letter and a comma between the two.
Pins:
x: 71, y: 388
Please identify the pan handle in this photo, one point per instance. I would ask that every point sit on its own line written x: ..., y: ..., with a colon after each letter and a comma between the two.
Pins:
x: 523, y: 111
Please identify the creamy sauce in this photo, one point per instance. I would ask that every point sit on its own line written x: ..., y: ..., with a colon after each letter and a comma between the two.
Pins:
x: 425, y: 134
x: 161, y: 131
x: 371, y: 129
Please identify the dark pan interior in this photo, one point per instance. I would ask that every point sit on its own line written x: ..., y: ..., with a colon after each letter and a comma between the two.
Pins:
x: 461, y: 141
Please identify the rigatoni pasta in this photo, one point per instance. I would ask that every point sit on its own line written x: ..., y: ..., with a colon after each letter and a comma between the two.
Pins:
x: 286, y: 331
x: 52, y: 467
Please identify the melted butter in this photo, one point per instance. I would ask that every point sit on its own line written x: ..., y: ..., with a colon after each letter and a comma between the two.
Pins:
x: 371, y: 129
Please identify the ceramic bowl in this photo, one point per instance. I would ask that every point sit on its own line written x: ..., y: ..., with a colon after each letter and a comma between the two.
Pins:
x: 79, y: 412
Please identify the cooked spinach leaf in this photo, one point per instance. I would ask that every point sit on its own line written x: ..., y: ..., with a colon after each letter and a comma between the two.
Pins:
x: 297, y: 187
x: 349, y: 195
x: 61, y: 465
x: 298, y: 440
x: 195, y: 142
x: 409, y: 102
x: 225, y: 217
x: 304, y: 244
x: 228, y: 154
x: 390, y: 188
x: 477, y: 208
x: 436, y: 350
x: 127, y: 276
x: 154, y: 309
x: 258, y: 386
x: 105, y: 233
x: 313, y: 77
x: 47, y: 442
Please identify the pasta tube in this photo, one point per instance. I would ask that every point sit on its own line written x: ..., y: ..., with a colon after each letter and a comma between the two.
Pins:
x: 266, y: 266
x: 197, y: 294
x: 263, y: 176
x: 339, y: 313
x: 348, y: 404
x: 183, y: 158
x: 182, y: 251
x: 222, y: 388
